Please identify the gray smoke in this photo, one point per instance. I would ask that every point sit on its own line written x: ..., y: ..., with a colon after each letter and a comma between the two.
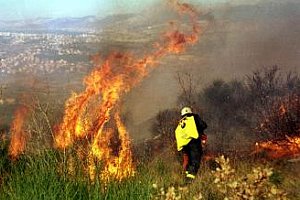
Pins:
x: 238, y: 39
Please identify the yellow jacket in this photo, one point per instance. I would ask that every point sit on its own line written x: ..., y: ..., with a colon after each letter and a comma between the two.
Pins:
x: 185, y: 131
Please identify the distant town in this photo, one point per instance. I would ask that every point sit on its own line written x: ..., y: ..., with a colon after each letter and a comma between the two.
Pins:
x: 32, y: 53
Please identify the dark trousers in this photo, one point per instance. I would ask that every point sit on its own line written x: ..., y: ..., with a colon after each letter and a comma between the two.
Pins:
x: 193, y: 150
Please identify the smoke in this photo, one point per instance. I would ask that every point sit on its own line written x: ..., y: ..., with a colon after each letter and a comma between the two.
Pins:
x: 257, y: 35
x: 238, y: 39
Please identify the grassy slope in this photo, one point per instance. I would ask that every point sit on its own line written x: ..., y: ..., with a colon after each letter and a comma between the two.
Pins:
x: 39, y: 177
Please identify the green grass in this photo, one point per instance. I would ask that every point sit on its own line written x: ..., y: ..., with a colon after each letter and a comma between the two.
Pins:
x: 39, y: 176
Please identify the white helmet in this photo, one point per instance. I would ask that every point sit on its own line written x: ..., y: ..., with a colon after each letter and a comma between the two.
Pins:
x: 186, y: 110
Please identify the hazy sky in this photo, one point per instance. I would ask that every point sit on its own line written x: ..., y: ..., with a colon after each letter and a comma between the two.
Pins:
x: 26, y: 9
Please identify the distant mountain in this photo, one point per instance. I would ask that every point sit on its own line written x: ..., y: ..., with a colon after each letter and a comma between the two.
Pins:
x: 151, y: 17
x: 160, y: 15
x: 79, y: 24
x: 69, y: 22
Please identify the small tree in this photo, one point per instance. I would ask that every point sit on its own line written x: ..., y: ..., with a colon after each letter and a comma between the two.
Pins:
x: 264, y: 84
x: 188, y: 90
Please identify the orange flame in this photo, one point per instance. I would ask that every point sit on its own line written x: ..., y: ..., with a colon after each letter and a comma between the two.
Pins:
x: 114, y: 166
x: 279, y: 149
x: 17, y: 133
x: 282, y: 110
x: 109, y: 81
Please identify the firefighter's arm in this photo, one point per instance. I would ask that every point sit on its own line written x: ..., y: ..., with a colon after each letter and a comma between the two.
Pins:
x: 201, y: 125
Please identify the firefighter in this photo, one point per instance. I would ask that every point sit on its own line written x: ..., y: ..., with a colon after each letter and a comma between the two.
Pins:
x: 189, y: 136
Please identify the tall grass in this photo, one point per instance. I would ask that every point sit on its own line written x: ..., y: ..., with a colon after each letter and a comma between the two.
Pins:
x: 39, y: 176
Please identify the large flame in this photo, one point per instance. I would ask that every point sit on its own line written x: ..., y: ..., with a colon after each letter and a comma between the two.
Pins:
x: 280, y: 149
x: 17, y: 133
x: 87, y: 113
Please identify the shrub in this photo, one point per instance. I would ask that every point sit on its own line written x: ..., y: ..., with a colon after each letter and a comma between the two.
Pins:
x: 282, y: 120
x: 275, y: 102
x: 254, y: 185
x: 225, y: 103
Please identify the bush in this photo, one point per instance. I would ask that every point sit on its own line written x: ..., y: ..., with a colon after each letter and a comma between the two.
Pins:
x: 282, y: 120
x: 275, y: 100
x: 163, y: 136
x: 254, y: 185
x: 225, y: 103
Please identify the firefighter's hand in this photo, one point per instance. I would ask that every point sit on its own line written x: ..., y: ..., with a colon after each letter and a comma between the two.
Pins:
x: 203, y: 139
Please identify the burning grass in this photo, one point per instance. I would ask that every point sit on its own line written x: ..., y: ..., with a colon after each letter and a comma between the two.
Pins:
x: 18, y: 133
x: 93, y: 159
x: 92, y: 118
x: 89, y: 114
x: 288, y: 148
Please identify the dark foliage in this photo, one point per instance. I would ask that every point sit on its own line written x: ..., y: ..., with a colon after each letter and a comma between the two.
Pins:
x: 165, y: 124
x: 163, y: 137
x: 282, y: 120
x: 252, y: 105
x: 275, y: 103
x: 225, y: 104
